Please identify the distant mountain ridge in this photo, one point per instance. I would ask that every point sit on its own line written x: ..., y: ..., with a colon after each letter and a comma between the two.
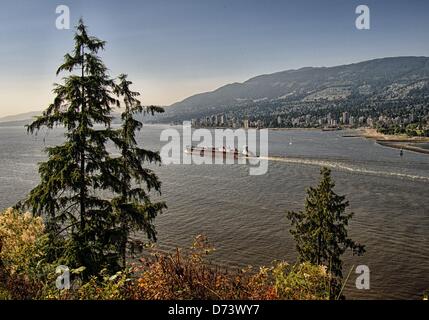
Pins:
x: 385, y: 78
x: 21, y: 117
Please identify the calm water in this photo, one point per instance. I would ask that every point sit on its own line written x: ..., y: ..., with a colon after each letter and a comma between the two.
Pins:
x: 244, y: 216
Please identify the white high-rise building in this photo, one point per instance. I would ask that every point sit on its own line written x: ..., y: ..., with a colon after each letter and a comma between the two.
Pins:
x: 246, y: 123
x: 345, y: 117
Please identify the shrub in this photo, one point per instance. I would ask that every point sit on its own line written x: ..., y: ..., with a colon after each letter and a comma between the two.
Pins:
x: 301, y: 282
x: 102, y: 287
x: 25, y: 273
x: 188, y: 276
x: 22, y: 250
x: 21, y: 241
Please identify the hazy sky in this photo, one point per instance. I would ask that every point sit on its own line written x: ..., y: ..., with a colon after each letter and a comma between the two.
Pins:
x: 173, y: 49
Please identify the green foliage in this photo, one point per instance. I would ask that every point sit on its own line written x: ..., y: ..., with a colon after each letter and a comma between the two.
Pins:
x: 102, y: 287
x: 301, y: 282
x: 411, y: 130
x: 320, y: 231
x: 132, y: 206
x: 85, y: 228
x: 22, y: 242
x: 23, y: 261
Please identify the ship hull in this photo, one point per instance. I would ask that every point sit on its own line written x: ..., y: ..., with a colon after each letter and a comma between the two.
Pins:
x: 203, y: 152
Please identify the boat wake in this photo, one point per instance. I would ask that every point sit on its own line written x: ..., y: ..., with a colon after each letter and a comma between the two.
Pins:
x: 345, y: 167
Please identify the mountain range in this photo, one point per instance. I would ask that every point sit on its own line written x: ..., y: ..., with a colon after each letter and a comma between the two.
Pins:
x: 379, y: 79
x: 21, y: 116
x: 382, y: 79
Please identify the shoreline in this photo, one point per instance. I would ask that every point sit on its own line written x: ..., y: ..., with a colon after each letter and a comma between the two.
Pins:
x: 402, y: 146
x: 395, y: 141
x: 373, y: 134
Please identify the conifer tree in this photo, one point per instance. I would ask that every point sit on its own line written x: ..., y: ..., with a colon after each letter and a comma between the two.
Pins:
x: 86, y: 193
x: 320, y: 231
x: 133, y: 206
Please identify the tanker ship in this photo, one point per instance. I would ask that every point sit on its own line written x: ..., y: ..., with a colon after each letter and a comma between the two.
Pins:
x: 223, y: 151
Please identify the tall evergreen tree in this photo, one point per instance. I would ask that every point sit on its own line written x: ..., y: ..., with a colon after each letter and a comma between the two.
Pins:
x: 80, y: 174
x: 133, y: 206
x: 320, y: 231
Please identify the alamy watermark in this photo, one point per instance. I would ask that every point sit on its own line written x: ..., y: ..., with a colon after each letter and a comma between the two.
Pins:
x: 362, y: 281
x: 363, y: 21
x: 63, y: 20
x: 217, y: 146
x: 63, y: 280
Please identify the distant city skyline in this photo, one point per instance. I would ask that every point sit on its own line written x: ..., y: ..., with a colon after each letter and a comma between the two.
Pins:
x: 174, y: 49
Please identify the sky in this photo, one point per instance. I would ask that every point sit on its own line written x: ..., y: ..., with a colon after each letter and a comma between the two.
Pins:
x: 177, y: 48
